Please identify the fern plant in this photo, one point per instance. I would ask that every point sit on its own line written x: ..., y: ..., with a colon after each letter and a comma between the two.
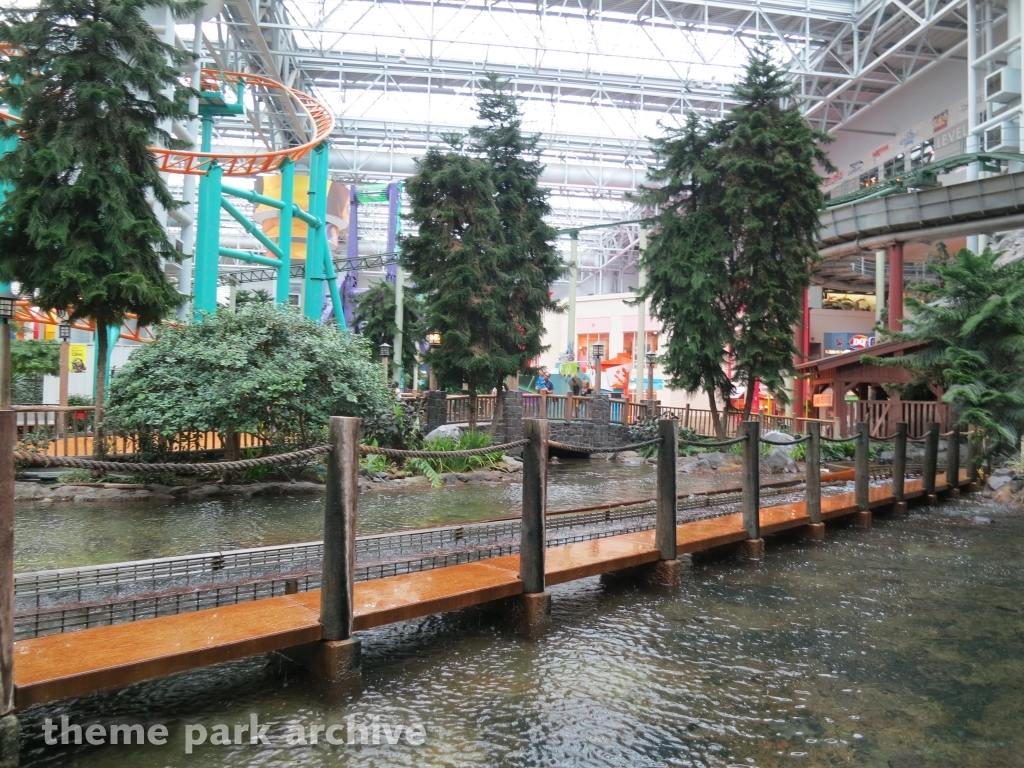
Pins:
x: 434, y: 468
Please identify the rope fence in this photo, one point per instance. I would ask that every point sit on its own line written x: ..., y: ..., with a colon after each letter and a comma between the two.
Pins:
x: 850, y: 439
x: 716, y: 444
x: 42, y: 460
x: 594, y: 449
x: 884, y: 438
x: 395, y: 453
x: 794, y: 441
x: 920, y: 439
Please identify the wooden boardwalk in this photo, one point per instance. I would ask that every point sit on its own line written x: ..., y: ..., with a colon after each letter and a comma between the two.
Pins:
x: 77, y: 663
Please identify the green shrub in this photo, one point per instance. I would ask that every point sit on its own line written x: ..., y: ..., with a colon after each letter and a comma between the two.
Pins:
x: 432, y: 469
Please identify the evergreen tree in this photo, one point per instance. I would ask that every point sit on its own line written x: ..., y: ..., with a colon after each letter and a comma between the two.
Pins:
x: 530, y: 262
x: 455, y: 259
x: 375, y: 314
x: 734, y: 236
x: 772, y: 199
x: 973, y: 321
x: 689, y: 260
x: 93, y: 84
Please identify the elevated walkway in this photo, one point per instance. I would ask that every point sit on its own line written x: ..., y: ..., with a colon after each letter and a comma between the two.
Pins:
x: 74, y: 664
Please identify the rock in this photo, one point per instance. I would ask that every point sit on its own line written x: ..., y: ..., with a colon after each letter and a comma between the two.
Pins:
x: 629, y: 458
x: 445, y: 430
x: 778, y: 461
x: 713, y: 458
x: 983, y: 520
x: 1004, y: 495
x: 449, y: 478
x: 1017, y: 484
x: 887, y: 456
x: 462, y: 478
x: 731, y: 461
x: 997, y: 481
x: 693, y: 464
x: 513, y: 466
x: 381, y: 476
x: 772, y: 436
x: 1002, y: 472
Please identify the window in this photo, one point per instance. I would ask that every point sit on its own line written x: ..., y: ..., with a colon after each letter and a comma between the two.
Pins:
x: 629, y: 342
x: 584, y: 341
x: 894, y: 168
x: 922, y: 154
x: 869, y: 179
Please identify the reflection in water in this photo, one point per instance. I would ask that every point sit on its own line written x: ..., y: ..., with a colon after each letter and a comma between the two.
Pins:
x: 898, y: 645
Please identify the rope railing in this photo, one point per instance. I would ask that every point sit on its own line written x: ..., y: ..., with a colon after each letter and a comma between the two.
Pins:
x: 793, y: 441
x: 921, y: 438
x: 884, y: 438
x: 596, y: 449
x: 42, y: 460
x: 850, y: 439
x: 395, y: 453
x: 716, y: 444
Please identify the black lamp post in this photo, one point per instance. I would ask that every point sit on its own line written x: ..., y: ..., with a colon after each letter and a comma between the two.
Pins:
x: 597, y: 350
x: 385, y: 356
x: 7, y: 302
x: 652, y: 359
x: 64, y: 332
x: 434, y: 340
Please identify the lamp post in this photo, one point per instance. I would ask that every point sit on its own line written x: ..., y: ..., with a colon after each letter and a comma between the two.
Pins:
x: 64, y: 332
x: 434, y: 340
x: 597, y: 351
x: 7, y: 300
x: 385, y: 357
x: 651, y: 360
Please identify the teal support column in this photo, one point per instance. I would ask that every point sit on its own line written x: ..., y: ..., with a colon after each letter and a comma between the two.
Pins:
x: 207, y: 258
x: 313, y: 292
x: 284, y: 232
x: 332, y: 286
x: 113, y: 334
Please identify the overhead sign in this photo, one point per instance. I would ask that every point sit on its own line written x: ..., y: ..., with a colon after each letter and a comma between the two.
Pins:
x: 838, y: 343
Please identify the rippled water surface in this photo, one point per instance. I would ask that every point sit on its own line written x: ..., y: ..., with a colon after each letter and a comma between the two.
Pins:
x: 897, y: 646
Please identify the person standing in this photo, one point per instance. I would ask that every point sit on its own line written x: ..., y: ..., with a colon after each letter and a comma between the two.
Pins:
x: 545, y: 383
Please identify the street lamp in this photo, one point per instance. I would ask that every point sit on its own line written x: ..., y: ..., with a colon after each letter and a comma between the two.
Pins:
x: 652, y: 359
x: 7, y: 301
x: 385, y: 355
x: 597, y: 351
x: 434, y: 340
x: 64, y: 332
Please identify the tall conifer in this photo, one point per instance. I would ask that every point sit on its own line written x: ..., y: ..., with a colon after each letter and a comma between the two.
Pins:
x: 93, y: 84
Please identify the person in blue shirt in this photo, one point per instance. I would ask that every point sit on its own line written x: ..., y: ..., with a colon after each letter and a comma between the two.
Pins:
x: 545, y: 383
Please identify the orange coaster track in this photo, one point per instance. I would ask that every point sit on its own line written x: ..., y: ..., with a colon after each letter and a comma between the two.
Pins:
x: 24, y: 312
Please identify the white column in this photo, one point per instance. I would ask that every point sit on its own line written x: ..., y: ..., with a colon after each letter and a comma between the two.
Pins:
x: 973, y: 143
x: 188, y: 232
x: 640, y: 344
x: 399, y: 322
x: 574, y: 237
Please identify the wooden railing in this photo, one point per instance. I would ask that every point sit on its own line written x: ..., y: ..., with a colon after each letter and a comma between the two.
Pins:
x: 882, y: 415
x: 458, y: 409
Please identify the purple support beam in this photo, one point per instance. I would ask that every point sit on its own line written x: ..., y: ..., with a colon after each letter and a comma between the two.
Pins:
x: 392, y: 269
x: 349, y: 278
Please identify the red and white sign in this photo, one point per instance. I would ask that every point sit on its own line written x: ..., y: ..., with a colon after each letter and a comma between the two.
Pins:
x: 879, y: 151
x: 860, y: 341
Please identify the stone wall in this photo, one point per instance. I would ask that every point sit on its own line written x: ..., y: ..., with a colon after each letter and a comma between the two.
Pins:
x: 437, y: 409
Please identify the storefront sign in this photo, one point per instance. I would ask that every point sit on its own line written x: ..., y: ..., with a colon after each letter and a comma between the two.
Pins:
x: 838, y: 343
x: 880, y: 151
x: 78, y: 354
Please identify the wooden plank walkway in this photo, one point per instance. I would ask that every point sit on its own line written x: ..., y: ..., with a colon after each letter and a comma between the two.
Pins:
x: 73, y: 664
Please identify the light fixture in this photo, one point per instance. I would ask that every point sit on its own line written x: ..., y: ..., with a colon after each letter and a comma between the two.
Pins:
x: 597, y: 350
x: 652, y: 359
x: 7, y: 301
x: 64, y: 331
x: 385, y: 350
x: 434, y: 339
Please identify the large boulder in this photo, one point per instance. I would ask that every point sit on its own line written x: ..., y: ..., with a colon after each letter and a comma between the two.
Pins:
x: 445, y: 430
x: 690, y: 464
x: 629, y: 458
x: 778, y: 461
x: 714, y: 458
x: 997, y: 480
x: 773, y: 436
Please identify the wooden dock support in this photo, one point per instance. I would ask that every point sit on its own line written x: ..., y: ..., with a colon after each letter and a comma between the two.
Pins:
x: 753, y: 547
x: 815, y: 531
x: 899, y: 468
x: 532, y: 610
x: 953, y: 462
x: 931, y: 460
x: 972, y: 458
x: 10, y: 728
x: 336, y: 657
x: 862, y: 475
x: 668, y: 570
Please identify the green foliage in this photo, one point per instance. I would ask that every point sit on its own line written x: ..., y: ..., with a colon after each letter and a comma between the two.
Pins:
x: 401, y: 427
x: 35, y: 357
x: 647, y: 429
x: 454, y: 261
x: 259, y: 296
x: 973, y: 321
x: 737, y: 204
x: 833, y: 451
x: 93, y: 84
x: 529, y: 260
x: 264, y: 370
x: 432, y: 469
x: 375, y: 314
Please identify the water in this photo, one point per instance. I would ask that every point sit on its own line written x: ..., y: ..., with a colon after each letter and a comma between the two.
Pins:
x: 896, y: 646
x: 63, y: 535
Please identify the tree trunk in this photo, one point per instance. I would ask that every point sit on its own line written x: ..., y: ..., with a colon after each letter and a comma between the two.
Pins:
x: 751, y: 383
x: 99, y: 433
x: 716, y: 417
x: 472, y: 409
x: 232, y: 451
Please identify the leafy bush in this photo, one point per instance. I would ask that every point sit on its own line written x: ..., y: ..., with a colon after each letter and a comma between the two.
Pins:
x: 647, y: 429
x: 265, y: 370
x: 829, y: 451
x: 432, y: 469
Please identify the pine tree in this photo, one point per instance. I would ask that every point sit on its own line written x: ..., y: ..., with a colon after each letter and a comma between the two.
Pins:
x: 375, y: 313
x: 689, y: 260
x: 530, y: 262
x: 77, y: 233
x: 772, y: 198
x: 454, y: 260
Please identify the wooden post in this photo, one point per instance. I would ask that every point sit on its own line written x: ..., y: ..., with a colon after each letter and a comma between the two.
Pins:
x: 535, y: 497
x: 953, y: 460
x: 751, y: 479
x: 668, y: 449
x: 687, y: 422
x: 65, y: 363
x: 340, y: 528
x: 972, y: 456
x: 931, y: 458
x: 8, y: 438
x: 899, y: 462
x: 813, y: 471
x: 568, y: 407
x: 543, y: 414
x: 861, y: 471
